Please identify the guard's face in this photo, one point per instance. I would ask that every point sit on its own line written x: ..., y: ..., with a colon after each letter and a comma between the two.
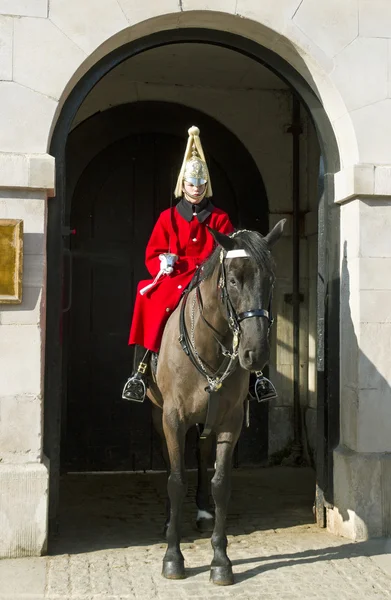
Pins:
x: 194, y: 193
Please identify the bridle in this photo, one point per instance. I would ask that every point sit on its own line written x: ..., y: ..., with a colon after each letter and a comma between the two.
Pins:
x: 229, y: 364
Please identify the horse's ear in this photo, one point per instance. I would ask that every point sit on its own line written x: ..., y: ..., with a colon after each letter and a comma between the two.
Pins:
x: 222, y: 240
x: 274, y: 235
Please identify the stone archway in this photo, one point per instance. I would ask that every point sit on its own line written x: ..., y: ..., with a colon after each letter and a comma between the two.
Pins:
x: 328, y: 225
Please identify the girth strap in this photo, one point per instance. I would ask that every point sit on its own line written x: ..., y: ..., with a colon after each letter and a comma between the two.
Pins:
x: 213, y: 409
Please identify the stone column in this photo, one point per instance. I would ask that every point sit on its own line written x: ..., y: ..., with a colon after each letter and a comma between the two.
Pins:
x: 25, y: 182
x: 362, y: 461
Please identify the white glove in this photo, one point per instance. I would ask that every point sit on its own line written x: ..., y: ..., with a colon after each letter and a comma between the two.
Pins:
x: 167, y: 262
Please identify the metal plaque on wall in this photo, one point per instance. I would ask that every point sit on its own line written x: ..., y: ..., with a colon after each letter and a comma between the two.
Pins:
x: 11, y: 261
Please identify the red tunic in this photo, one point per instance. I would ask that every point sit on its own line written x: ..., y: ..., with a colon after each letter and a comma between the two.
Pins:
x: 193, y: 243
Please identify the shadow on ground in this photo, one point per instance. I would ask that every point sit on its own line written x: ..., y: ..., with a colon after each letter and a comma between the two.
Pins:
x: 100, y: 511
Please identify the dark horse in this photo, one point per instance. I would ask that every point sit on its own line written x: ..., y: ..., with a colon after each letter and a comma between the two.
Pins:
x: 222, y: 323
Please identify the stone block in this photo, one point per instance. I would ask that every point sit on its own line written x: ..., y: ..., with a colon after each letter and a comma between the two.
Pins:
x: 300, y: 46
x: 280, y: 429
x: 27, y: 171
x: 375, y: 18
x: 375, y: 273
x: 362, y: 60
x: 24, y: 8
x: 347, y: 141
x: 348, y: 414
x: 375, y: 306
x: 225, y: 6
x: 26, y: 313
x: 20, y: 360
x: 265, y: 12
x: 311, y: 429
x: 382, y: 180
x: 350, y: 223
x: 311, y: 223
x: 362, y: 495
x: 136, y: 11
x: 20, y: 429
x: 374, y: 412
x: 331, y: 25
x: 353, y: 181
x: 34, y: 270
x: 89, y: 23
x: 374, y: 231
x: 6, y: 37
x: 51, y: 60
x: 23, y: 509
x: 374, y: 141
x: 14, y: 170
x: 42, y: 173
x: 25, y: 119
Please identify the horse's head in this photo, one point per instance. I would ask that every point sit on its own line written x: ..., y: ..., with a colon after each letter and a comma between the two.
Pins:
x: 246, y: 284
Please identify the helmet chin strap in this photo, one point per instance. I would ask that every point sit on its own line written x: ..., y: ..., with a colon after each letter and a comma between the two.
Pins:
x: 190, y: 196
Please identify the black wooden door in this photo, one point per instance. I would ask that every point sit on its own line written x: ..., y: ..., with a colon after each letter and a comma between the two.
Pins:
x: 114, y: 208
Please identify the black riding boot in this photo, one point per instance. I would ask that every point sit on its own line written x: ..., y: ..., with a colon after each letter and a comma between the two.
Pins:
x: 136, y: 387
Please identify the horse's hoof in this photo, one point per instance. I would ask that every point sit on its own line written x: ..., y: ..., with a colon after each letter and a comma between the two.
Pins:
x: 222, y: 575
x: 173, y: 570
x: 205, y: 525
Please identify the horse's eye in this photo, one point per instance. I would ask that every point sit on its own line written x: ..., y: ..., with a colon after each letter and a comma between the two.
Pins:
x: 232, y: 281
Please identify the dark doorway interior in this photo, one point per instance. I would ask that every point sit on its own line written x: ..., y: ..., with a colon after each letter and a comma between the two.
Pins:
x: 114, y: 204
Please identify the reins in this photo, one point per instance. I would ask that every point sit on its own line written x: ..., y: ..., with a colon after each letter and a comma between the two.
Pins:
x: 187, y: 341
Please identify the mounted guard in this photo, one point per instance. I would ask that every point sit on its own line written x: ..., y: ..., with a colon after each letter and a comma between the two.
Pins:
x: 179, y: 243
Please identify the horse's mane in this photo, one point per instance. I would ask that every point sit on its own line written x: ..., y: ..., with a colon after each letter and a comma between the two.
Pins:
x: 255, y: 246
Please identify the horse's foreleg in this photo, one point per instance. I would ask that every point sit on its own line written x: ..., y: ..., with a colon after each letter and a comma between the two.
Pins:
x: 205, y: 520
x: 157, y: 418
x: 175, y: 434
x: 221, y: 568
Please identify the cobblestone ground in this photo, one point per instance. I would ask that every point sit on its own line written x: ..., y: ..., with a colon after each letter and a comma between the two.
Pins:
x: 110, y: 544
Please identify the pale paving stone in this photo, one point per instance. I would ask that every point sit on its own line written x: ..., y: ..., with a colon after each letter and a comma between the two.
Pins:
x: 51, y: 60
x: 372, y: 57
x: 6, y: 36
x: 89, y: 23
x: 375, y: 18
x: 24, y: 8
x: 23, y: 130
x: 331, y: 25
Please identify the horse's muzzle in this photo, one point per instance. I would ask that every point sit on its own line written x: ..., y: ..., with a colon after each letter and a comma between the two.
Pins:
x: 253, y: 360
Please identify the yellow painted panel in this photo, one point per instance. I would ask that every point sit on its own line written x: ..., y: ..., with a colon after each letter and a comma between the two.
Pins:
x: 11, y: 261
